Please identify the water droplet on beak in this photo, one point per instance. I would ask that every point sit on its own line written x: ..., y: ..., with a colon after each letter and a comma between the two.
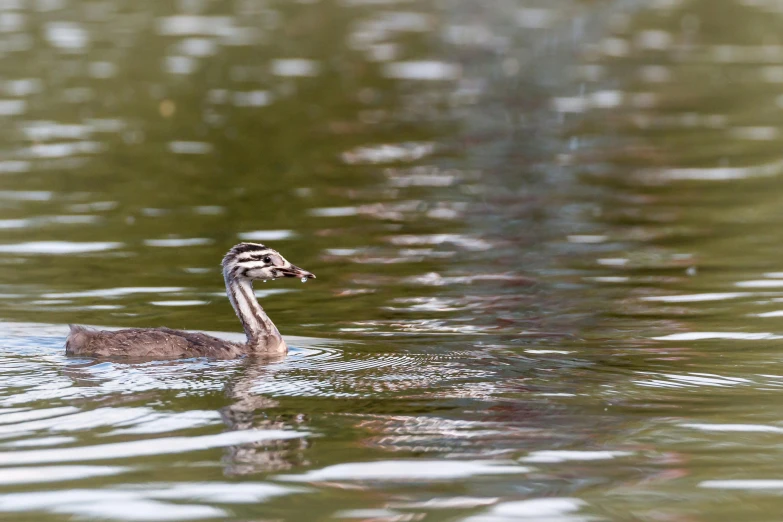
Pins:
x: 304, y: 279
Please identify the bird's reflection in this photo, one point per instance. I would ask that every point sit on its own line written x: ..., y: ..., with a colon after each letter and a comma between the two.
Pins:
x: 252, y: 412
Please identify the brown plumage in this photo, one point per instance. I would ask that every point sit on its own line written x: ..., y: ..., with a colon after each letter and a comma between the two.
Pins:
x: 149, y: 342
x: 243, y: 264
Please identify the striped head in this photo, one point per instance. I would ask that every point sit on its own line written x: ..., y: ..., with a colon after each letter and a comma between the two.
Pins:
x: 253, y: 261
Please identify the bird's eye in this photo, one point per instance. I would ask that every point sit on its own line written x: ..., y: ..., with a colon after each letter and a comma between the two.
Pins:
x: 267, y: 259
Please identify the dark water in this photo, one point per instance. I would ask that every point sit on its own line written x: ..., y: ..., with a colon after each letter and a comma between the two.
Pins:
x: 548, y: 239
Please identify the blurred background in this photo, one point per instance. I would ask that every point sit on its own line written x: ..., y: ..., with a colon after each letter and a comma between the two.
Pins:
x: 547, y: 234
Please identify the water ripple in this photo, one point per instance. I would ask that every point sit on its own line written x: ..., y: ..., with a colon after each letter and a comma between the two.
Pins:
x: 148, y: 502
x: 144, y: 448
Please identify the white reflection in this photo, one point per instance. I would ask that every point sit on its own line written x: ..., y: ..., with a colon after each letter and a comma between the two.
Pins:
x: 587, y: 238
x: 105, y: 124
x: 554, y: 456
x: 606, y: 99
x: 209, y: 210
x: 388, y: 153
x: 149, y: 421
x: 294, y: 67
x: 67, y: 36
x: 222, y: 492
x: 697, y: 298
x: 739, y: 428
x: 616, y: 47
x: 6, y: 224
x: 198, y: 47
x: 12, y: 107
x: 14, y: 167
x: 57, y: 247
x: 461, y: 240
x: 115, y: 292
x: 435, y: 279
x: 655, y: 73
x: 609, y: 279
x: 126, y: 420
x: 693, y: 379
x: 700, y: 336
x: 447, y: 503
x: 23, y: 86
x: 540, y: 510
x: 178, y: 242
x: 422, y: 70
x: 266, y: 235
x: 47, y: 130
x: 723, y: 173
x: 573, y: 104
x: 743, y: 484
x: 40, y: 441
x: 776, y: 313
x: 407, y: 470
x: 334, y: 212
x: 252, y: 98
x: 184, y: 302
x: 107, y: 505
x: 754, y: 133
x: 44, y: 220
x: 64, y: 149
x: 144, y: 503
x: 613, y: 261
x: 654, y: 39
x: 190, y: 147
x: 179, y: 64
x: 28, y: 475
x: 376, y: 515
x: 760, y: 283
x: 745, y: 54
x: 149, y: 447
x: 421, y: 179
x: 194, y: 25
x: 22, y: 416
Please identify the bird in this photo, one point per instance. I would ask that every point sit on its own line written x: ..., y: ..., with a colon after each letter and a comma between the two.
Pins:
x: 243, y: 264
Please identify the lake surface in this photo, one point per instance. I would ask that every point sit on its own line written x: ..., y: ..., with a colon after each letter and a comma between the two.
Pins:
x: 548, y: 239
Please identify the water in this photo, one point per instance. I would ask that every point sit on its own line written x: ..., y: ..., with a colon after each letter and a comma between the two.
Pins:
x: 547, y: 238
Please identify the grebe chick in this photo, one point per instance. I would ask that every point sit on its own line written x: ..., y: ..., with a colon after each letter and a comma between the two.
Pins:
x: 243, y: 264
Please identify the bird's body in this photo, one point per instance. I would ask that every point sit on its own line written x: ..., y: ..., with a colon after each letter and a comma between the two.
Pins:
x: 242, y: 265
x: 149, y: 342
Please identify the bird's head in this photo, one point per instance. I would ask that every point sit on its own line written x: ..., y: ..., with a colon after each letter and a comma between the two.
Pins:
x: 255, y: 261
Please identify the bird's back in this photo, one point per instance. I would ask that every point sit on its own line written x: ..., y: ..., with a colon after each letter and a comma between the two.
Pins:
x: 148, y: 342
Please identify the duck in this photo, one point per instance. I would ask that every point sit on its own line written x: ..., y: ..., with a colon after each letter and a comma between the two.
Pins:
x: 243, y: 264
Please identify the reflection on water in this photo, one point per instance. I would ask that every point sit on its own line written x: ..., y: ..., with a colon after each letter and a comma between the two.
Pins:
x: 547, y: 237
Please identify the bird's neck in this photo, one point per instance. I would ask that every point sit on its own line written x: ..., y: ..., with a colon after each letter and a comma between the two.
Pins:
x: 261, y: 332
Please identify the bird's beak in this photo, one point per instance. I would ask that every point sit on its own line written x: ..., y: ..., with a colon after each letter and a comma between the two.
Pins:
x: 295, y: 271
